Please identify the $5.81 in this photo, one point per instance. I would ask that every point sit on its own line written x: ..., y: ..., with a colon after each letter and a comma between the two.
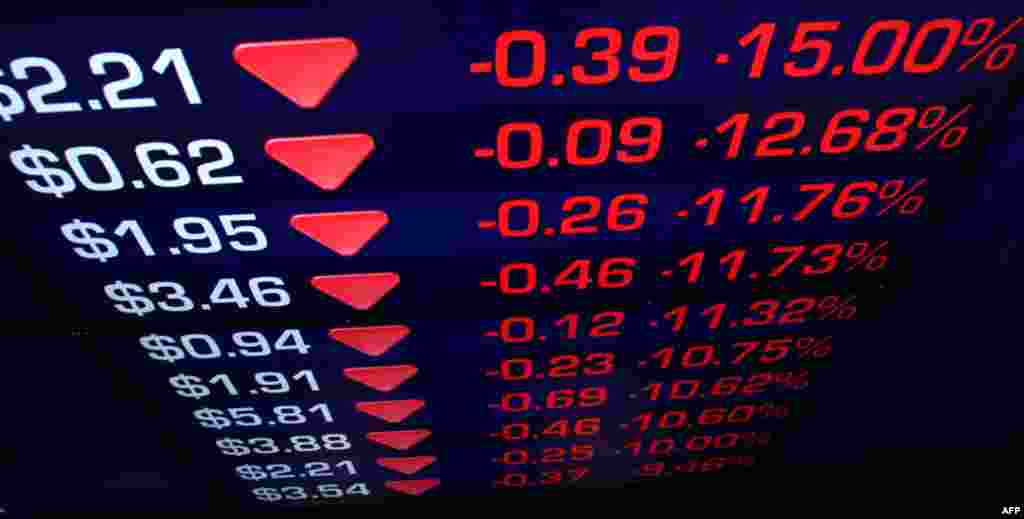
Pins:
x: 95, y: 170
x: 247, y: 416
x: 131, y: 299
x: 267, y: 382
x: 200, y: 235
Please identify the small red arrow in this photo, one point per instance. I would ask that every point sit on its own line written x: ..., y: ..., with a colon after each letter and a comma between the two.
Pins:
x: 400, y: 440
x: 360, y: 291
x: 413, y: 487
x: 407, y: 466
x: 371, y: 340
x: 392, y: 411
x: 382, y: 378
x: 344, y: 233
x: 326, y: 160
x: 304, y: 71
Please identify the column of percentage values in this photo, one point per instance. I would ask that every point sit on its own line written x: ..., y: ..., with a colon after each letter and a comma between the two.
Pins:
x: 305, y: 71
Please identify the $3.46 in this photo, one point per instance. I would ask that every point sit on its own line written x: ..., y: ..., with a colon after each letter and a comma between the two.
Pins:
x: 133, y: 299
x: 198, y: 235
x: 266, y: 382
x: 248, y: 417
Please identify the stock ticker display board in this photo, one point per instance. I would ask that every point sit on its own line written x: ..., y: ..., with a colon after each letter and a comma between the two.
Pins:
x: 272, y: 258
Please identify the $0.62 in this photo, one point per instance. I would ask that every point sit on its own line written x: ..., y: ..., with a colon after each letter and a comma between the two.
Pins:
x: 94, y: 169
x: 132, y: 299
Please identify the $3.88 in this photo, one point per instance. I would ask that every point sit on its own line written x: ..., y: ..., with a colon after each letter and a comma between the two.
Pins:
x: 313, y: 469
x: 296, y: 443
x: 328, y: 490
x: 248, y: 417
x: 267, y: 382
x: 131, y: 299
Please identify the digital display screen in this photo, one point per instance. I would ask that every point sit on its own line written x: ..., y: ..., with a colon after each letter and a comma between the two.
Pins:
x: 278, y: 258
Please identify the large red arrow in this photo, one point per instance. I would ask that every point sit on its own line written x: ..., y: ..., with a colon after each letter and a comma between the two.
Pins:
x: 360, y: 291
x: 344, y: 233
x: 392, y: 411
x: 382, y: 378
x: 407, y: 466
x: 371, y: 340
x: 413, y: 487
x: 304, y: 71
x: 400, y: 440
x: 326, y: 160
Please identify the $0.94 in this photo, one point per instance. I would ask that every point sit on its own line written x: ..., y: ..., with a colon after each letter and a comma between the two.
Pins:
x: 131, y: 299
x: 267, y: 382
x: 247, y: 416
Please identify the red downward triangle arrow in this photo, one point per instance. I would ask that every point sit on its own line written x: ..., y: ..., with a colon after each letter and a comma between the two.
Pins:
x: 393, y: 411
x: 344, y: 233
x: 301, y: 70
x: 382, y: 378
x: 326, y: 160
x: 371, y: 340
x: 413, y: 487
x: 407, y: 466
x: 360, y: 291
x: 400, y: 440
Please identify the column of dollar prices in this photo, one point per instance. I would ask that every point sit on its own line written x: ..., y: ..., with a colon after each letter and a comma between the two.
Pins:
x: 273, y: 414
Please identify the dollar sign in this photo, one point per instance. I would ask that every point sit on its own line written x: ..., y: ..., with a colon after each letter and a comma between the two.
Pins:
x: 122, y: 292
x: 14, y: 105
x: 189, y: 386
x: 81, y: 233
x: 267, y: 494
x: 251, y: 472
x: 211, y: 418
x: 162, y: 348
x: 232, y: 447
x: 52, y: 181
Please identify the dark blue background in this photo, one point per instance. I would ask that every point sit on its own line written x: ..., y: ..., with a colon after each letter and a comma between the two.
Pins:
x: 930, y: 364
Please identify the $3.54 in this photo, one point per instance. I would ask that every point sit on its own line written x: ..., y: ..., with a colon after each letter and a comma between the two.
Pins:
x: 198, y: 235
x: 133, y: 299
